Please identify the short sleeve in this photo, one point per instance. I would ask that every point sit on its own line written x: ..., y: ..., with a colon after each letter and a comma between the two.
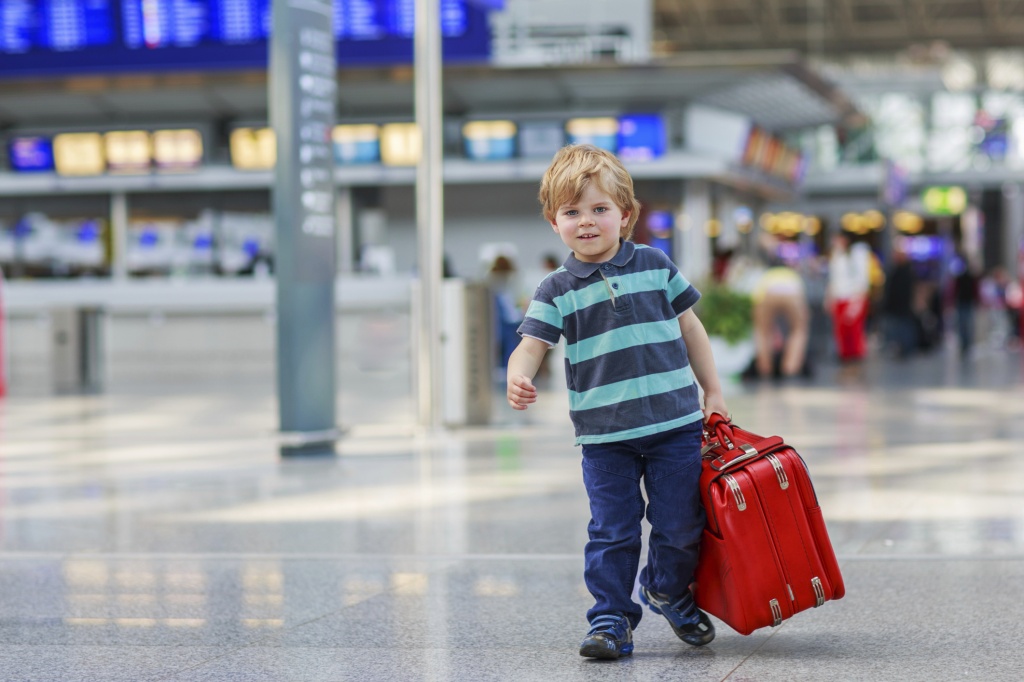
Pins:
x: 681, y: 294
x: 543, y: 321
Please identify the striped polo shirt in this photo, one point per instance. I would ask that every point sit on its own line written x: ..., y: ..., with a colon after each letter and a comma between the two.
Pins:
x: 626, y: 364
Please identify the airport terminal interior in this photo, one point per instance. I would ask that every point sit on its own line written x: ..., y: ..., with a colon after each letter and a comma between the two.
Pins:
x: 254, y: 324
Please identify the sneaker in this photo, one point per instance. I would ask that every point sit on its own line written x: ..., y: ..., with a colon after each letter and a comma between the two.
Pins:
x: 689, y: 623
x: 610, y: 637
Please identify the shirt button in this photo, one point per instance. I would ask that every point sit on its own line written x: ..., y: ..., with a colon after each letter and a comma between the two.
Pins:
x: 615, y: 286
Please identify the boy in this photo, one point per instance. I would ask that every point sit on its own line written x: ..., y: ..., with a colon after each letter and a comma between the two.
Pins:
x: 631, y: 341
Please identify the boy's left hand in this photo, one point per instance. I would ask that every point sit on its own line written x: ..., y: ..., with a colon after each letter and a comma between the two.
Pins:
x: 715, y: 403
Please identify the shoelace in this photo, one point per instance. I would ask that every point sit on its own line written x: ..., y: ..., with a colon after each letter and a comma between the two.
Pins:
x: 614, y: 625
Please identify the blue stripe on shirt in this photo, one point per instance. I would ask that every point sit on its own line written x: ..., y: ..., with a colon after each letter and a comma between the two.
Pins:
x: 630, y: 389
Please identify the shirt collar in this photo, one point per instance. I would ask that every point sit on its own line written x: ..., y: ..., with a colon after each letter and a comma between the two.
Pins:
x: 584, y: 270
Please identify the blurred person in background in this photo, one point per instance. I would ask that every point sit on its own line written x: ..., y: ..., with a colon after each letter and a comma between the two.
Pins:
x: 781, y: 319
x: 503, y: 281
x: 846, y: 298
x: 1014, y: 307
x: 898, y: 305
x: 1001, y: 297
x: 965, y: 299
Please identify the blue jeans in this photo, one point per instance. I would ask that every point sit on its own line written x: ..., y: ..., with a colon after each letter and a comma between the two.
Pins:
x: 669, y: 464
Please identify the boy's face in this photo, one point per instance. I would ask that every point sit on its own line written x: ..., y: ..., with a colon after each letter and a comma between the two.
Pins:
x: 591, y: 226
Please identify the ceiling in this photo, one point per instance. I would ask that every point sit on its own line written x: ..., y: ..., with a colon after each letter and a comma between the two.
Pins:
x: 833, y: 27
x: 775, y: 88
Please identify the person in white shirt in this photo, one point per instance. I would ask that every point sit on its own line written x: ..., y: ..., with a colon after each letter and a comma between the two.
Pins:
x: 847, y: 296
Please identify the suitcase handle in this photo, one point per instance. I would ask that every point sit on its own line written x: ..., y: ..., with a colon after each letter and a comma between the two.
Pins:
x: 723, y: 431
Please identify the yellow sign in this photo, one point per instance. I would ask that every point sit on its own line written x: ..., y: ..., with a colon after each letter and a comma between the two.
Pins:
x: 177, y: 150
x: 400, y: 144
x: 79, y: 154
x: 128, y: 151
x: 253, y: 148
x: 944, y: 200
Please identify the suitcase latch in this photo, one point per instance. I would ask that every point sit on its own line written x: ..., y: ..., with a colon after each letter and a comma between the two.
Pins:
x: 776, y: 612
x: 749, y: 452
x: 780, y: 473
x: 741, y: 502
x: 819, y: 591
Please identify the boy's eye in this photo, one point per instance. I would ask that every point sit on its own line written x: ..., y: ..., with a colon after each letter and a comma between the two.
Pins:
x: 571, y: 212
x: 600, y: 209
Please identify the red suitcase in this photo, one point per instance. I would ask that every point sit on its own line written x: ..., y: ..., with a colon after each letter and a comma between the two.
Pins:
x: 765, y: 554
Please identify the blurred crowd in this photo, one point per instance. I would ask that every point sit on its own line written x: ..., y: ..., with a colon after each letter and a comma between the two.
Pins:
x: 845, y: 304
x: 809, y: 309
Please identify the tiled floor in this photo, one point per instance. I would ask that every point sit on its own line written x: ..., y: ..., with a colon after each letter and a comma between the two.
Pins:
x: 146, y: 536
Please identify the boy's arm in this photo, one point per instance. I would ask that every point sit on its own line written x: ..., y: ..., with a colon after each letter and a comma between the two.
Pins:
x: 702, y: 362
x: 522, y: 367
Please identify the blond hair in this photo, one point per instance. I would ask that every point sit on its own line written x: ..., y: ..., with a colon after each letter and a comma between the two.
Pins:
x: 571, y: 172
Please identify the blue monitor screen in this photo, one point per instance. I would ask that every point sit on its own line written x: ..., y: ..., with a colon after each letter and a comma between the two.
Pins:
x: 58, y: 25
x: 30, y: 154
x: 642, y: 137
x: 82, y: 36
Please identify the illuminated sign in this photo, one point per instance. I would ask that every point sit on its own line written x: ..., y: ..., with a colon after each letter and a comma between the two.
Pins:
x: 863, y: 223
x: 356, y: 143
x: 177, y: 150
x: 540, y: 139
x: 944, y: 200
x: 30, y: 154
x: 60, y: 26
x: 64, y: 36
x: 600, y: 132
x: 79, y: 154
x: 489, y: 140
x: 253, y: 148
x: 400, y: 144
x: 769, y: 154
x: 642, y: 137
x: 128, y: 151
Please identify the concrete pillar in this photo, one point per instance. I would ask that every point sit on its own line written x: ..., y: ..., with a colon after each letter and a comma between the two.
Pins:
x: 1013, y: 224
x: 692, y: 246
x: 119, y: 235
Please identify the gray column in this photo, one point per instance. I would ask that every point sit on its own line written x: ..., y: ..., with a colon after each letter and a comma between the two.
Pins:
x: 345, y: 212
x: 1013, y: 225
x: 693, y: 248
x: 119, y: 235
x: 302, y: 100
x: 429, y: 210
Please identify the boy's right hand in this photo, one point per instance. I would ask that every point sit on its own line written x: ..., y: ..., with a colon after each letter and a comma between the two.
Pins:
x: 521, y: 392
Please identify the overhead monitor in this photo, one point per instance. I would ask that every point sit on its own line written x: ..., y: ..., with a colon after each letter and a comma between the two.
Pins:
x: 177, y: 150
x: 600, y: 132
x: 356, y: 143
x: 489, y: 140
x: 30, y: 154
x: 642, y: 137
x: 540, y: 139
x: 400, y: 144
x: 128, y: 151
x: 253, y: 148
x: 79, y: 154
x: 89, y: 36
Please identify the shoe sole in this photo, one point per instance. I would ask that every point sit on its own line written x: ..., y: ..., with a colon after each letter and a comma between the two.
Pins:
x: 605, y: 654
x: 692, y: 640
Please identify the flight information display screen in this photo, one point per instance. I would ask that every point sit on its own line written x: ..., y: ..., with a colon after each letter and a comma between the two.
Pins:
x: 57, y: 25
x: 81, y: 36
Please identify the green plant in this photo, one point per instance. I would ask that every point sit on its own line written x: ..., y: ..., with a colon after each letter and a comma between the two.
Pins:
x: 725, y: 313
